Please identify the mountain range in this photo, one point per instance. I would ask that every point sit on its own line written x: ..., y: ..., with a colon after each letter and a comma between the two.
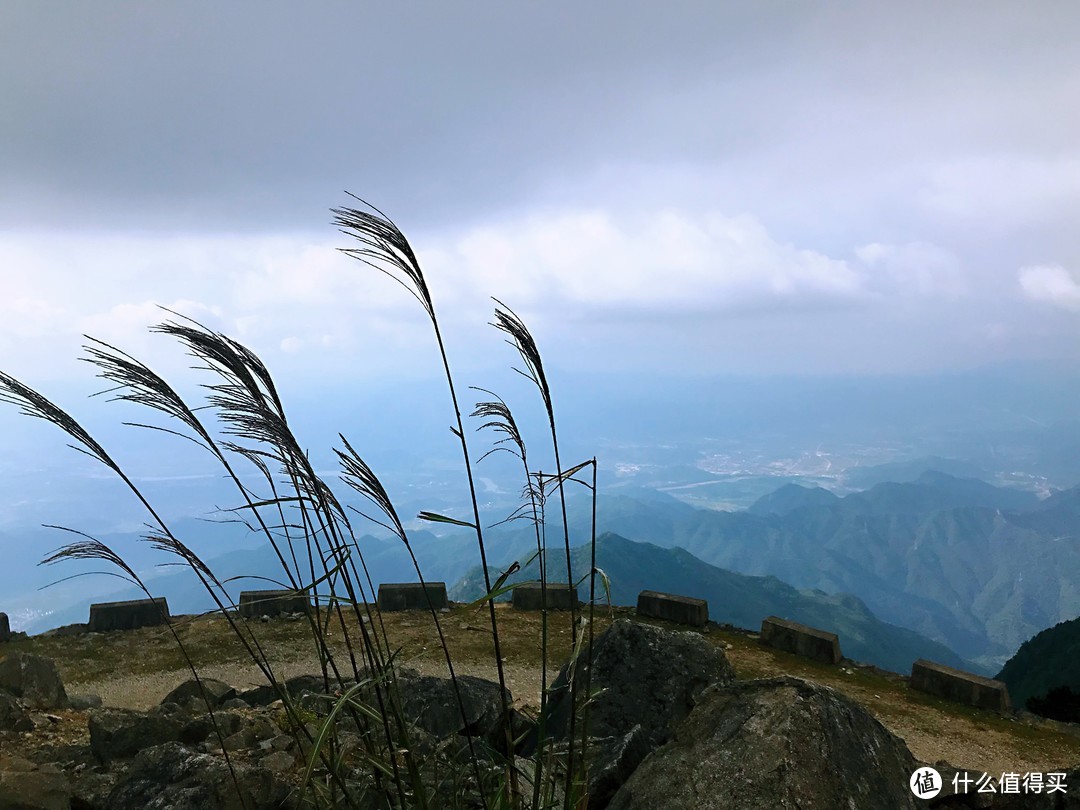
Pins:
x: 736, y: 599
x: 977, y: 567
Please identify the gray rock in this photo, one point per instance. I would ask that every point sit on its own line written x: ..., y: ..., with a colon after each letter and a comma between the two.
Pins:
x: 200, y: 728
x: 173, y: 776
x: 648, y: 678
x: 278, y: 761
x: 781, y: 743
x: 217, y: 692
x: 612, y: 761
x: 122, y: 733
x: 13, y: 716
x: 26, y: 785
x: 296, y: 687
x: 33, y: 679
x: 430, y: 703
x: 81, y: 703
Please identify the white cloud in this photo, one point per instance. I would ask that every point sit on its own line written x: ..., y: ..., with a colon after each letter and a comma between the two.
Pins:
x: 665, y: 262
x: 916, y: 268
x: 1050, y: 284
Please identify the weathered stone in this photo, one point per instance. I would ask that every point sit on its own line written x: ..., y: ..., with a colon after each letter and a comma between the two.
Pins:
x: 33, y: 679
x: 430, y: 703
x: 296, y: 687
x: 959, y: 686
x: 81, y: 703
x: 777, y: 743
x: 612, y: 760
x: 172, y: 775
x: 5, y: 628
x: 106, y: 616
x: 217, y: 692
x: 673, y: 608
x: 121, y: 733
x: 26, y: 785
x: 645, y: 676
x: 798, y: 639
x: 254, y: 604
x: 560, y: 596
x: 278, y: 761
x: 395, y: 596
x: 13, y: 716
x: 200, y: 728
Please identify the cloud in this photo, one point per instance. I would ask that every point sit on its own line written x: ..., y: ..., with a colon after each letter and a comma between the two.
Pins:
x: 917, y: 268
x: 1050, y: 284
x: 665, y: 262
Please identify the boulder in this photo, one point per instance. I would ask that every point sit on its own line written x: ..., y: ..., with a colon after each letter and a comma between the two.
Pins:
x: 645, y: 676
x: 26, y: 785
x: 297, y: 687
x: 217, y: 692
x: 174, y: 776
x: 122, y: 733
x: 430, y: 703
x: 13, y: 716
x: 33, y: 679
x: 775, y: 743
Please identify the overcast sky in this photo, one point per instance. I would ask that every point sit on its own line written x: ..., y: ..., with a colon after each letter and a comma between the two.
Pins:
x: 729, y: 187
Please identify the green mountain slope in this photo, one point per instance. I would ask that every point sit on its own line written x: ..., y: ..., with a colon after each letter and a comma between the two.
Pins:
x: 1050, y: 659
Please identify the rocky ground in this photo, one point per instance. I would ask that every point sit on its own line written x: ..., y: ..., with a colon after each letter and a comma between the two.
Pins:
x: 71, y: 752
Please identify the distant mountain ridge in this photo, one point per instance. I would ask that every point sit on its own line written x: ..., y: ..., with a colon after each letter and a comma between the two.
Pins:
x: 734, y: 599
x: 976, y: 567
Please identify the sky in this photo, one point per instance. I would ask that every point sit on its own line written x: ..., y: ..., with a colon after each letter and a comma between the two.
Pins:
x: 698, y: 188
x: 762, y: 188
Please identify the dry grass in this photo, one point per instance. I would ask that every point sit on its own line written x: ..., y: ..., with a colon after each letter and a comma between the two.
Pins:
x: 137, y: 668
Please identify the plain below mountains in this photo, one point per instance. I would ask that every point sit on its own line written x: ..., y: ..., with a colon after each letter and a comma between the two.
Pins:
x: 734, y: 599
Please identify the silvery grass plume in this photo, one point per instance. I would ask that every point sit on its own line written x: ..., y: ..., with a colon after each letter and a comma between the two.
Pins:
x: 384, y: 247
x: 500, y: 419
x: 508, y: 322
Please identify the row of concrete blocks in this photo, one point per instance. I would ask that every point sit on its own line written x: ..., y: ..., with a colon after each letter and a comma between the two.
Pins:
x: 926, y: 676
x: 776, y: 633
x: 129, y: 615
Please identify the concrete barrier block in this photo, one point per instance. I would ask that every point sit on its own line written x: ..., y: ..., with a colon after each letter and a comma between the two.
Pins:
x: 412, y: 596
x: 799, y: 639
x: 673, y: 608
x: 5, y: 628
x: 254, y: 604
x: 560, y: 596
x: 959, y: 686
x: 106, y: 616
